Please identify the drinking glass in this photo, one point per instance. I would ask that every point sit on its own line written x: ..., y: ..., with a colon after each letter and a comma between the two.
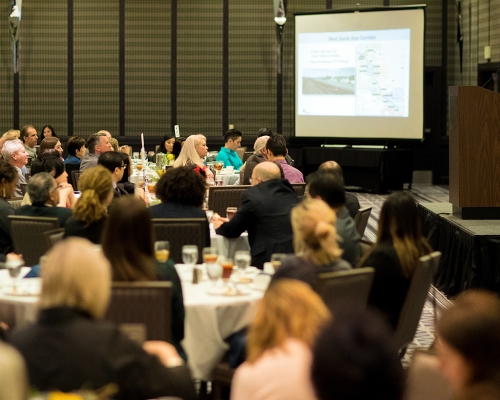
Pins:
x: 230, y: 211
x: 190, y: 254
x: 277, y: 258
x: 214, y: 270
x: 218, y: 165
x: 227, y: 269
x: 162, y: 250
x: 242, y: 260
x: 14, y: 268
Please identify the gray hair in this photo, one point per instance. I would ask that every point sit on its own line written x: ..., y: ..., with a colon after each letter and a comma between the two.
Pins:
x: 260, y: 143
x: 39, y: 187
x: 94, y: 139
x: 10, y: 147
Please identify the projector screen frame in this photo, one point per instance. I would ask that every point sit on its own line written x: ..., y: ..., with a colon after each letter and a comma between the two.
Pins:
x: 349, y: 140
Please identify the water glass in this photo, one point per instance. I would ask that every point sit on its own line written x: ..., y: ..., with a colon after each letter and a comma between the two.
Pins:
x: 227, y: 269
x: 230, y: 211
x: 242, y: 260
x: 276, y: 259
x: 162, y: 250
x: 190, y: 254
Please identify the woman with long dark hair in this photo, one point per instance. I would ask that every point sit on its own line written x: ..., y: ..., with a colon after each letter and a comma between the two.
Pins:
x: 395, y: 254
x: 127, y: 242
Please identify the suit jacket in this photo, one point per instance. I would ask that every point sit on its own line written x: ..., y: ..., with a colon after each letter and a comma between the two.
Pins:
x: 346, y: 229
x: 66, y: 349
x: 88, y: 161
x: 175, y: 210
x: 119, y: 191
x: 352, y: 203
x: 251, y: 162
x: 22, y: 179
x: 265, y: 214
x: 62, y: 214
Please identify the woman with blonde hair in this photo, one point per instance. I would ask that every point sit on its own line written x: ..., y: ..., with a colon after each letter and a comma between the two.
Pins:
x: 280, y: 338
x: 69, y: 348
x: 395, y: 254
x: 315, y: 242
x: 192, y: 154
x: 13, y: 375
x: 90, y: 211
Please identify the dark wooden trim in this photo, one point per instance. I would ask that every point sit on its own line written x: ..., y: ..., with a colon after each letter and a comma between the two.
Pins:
x: 225, y: 66
x: 173, y: 64
x: 121, y: 73
x: 70, y: 83
x: 16, y: 101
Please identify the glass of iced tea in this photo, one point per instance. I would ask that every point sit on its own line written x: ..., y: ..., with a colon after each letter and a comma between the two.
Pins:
x: 276, y: 259
x: 162, y: 250
x: 214, y: 270
x: 218, y: 165
x: 138, y: 166
x: 227, y: 269
x: 151, y: 187
x: 230, y: 211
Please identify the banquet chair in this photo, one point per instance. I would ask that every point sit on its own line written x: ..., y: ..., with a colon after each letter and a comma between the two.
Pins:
x: 222, y: 197
x: 27, y: 236
x: 241, y: 151
x: 361, y: 220
x: 75, y: 175
x: 300, y: 189
x: 53, y: 236
x: 180, y: 232
x: 350, y: 287
x: 415, y: 300
x: 247, y: 155
x: 69, y: 169
x: 15, y: 202
x: 142, y: 310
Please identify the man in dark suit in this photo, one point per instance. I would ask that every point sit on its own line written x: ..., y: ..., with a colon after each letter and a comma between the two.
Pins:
x: 351, y: 201
x: 113, y: 161
x: 44, y: 194
x: 264, y: 213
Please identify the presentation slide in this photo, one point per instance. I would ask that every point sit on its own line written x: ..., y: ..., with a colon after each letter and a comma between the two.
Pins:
x: 363, y: 83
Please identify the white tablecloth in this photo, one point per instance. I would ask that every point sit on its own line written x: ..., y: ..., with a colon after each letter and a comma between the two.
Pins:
x: 229, y: 179
x: 227, y: 247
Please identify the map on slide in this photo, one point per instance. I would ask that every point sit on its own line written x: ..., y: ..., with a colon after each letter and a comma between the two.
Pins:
x: 382, y: 84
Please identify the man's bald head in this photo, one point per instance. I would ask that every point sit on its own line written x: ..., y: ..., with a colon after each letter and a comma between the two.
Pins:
x: 331, y: 166
x: 265, y: 171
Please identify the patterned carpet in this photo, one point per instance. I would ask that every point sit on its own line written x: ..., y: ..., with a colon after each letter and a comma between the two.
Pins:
x: 423, y: 194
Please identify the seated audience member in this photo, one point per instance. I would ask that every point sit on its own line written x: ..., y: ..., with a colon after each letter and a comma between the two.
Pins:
x: 8, y: 185
x: 468, y: 345
x: 49, y: 161
x: 127, y: 242
x: 11, y: 134
x: 167, y: 144
x: 268, y: 132
x: 276, y: 152
x: 354, y: 358
x: 124, y: 183
x: 257, y: 157
x: 76, y: 150
x: 182, y: 192
x: 177, y: 147
x: 395, y: 254
x: 227, y: 154
x: 90, y: 212
x: 351, y: 200
x: 14, y: 383
x: 69, y: 348
x: 97, y: 144
x: 43, y: 191
x: 113, y: 162
x: 29, y: 139
x: 114, y: 143
x: 14, y: 153
x: 51, y: 143
x: 46, y: 132
x: 192, y: 154
x: 280, y: 337
x: 315, y: 243
x: 264, y: 213
x: 329, y: 187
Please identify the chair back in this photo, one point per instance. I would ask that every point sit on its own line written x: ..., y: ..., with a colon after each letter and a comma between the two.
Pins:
x: 180, y: 232
x: 415, y: 299
x: 69, y: 169
x: 247, y: 155
x: 300, y: 189
x: 222, y: 197
x: 241, y: 151
x: 53, y: 236
x: 27, y: 236
x: 75, y: 176
x: 142, y: 310
x: 16, y: 202
x: 361, y: 220
x: 350, y: 287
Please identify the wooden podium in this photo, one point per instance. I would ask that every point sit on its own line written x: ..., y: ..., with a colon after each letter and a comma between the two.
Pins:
x: 474, y: 131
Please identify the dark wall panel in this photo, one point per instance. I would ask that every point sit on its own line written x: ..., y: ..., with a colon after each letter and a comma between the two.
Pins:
x: 43, y: 65
x: 6, y: 74
x: 96, y: 81
x: 147, y: 68
x: 199, y: 67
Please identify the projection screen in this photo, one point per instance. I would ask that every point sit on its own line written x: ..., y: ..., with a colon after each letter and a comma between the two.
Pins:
x: 359, y: 74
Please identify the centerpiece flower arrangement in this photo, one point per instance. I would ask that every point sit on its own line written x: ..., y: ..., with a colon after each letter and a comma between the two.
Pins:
x: 169, y: 159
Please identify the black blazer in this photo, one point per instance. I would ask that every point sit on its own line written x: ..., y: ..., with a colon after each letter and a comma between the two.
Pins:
x: 61, y: 213
x: 265, y: 214
x: 66, y: 349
